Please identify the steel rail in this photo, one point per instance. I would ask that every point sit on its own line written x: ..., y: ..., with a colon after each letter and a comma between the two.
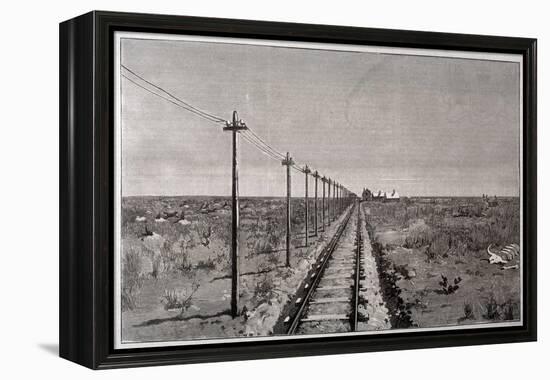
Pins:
x: 354, y: 320
x: 327, y: 253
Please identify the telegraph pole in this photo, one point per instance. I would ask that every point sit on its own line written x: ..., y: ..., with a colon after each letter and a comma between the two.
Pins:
x: 316, y: 176
x: 334, y: 200
x: 324, y: 180
x: 340, y: 197
x: 288, y: 162
x: 306, y: 172
x: 328, y: 203
x: 334, y: 208
x: 235, y: 127
x: 337, y: 200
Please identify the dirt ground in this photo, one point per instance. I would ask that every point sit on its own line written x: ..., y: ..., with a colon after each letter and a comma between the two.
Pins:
x: 427, y: 247
x: 175, y: 266
x: 430, y: 253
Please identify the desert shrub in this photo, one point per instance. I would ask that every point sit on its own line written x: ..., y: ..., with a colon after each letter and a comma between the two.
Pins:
x: 129, y: 212
x: 171, y: 299
x: 397, y: 213
x: 175, y: 255
x: 419, y: 235
x: 270, y: 262
x: 431, y: 226
x: 273, y: 259
x: 203, y: 231
x: 439, y: 247
x: 264, y: 236
x: 458, y: 245
x: 265, y: 289
x: 222, y: 259
x: 508, y: 312
x: 406, y: 201
x: 480, y: 237
x: 449, y: 288
x: 132, y: 279
x: 221, y: 229
x: 427, y: 210
x: 470, y: 272
x: 411, y: 212
x: 400, y: 311
x: 179, y: 299
x: 182, y: 262
x: 504, y: 222
x: 404, y: 270
x: 167, y: 257
x: 441, y: 244
x: 476, y: 210
x: 500, y: 311
x: 471, y: 210
x: 468, y: 311
x: 207, y: 265
x: 156, y: 266
x: 492, y: 310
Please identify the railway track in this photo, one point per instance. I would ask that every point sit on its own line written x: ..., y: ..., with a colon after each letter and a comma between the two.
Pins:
x: 330, y: 295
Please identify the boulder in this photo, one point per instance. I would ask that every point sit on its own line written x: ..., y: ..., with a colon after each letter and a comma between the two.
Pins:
x: 303, y: 265
x: 262, y: 319
x: 215, y: 206
x: 153, y: 242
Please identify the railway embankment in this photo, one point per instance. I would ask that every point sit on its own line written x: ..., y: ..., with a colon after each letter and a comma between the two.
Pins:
x: 397, y: 311
x: 372, y: 309
x: 268, y: 318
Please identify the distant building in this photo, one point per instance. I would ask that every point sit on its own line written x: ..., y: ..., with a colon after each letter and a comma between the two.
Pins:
x: 392, y: 197
x: 366, y: 195
x: 380, y: 195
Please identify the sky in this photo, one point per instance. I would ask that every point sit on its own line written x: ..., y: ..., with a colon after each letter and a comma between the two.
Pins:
x: 424, y: 126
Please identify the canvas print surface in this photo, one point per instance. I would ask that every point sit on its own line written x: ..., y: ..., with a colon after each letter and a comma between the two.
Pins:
x: 270, y: 190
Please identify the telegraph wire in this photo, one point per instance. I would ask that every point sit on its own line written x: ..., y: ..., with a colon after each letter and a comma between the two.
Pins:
x: 265, y: 151
x: 252, y: 138
x: 217, y: 118
x: 249, y: 135
x: 266, y: 144
x: 169, y: 100
x: 263, y: 147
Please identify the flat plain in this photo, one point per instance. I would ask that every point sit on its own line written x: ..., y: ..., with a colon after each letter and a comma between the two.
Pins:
x: 431, y: 256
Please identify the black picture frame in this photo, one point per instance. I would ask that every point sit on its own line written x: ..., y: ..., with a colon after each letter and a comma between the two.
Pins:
x: 86, y: 189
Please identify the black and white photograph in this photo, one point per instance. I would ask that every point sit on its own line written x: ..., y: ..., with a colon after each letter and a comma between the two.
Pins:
x: 275, y: 190
x: 269, y: 190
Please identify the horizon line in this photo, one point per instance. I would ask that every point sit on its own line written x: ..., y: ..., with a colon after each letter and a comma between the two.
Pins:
x: 311, y: 196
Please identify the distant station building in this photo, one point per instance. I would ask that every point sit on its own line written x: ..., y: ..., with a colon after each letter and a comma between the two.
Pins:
x: 380, y: 195
x: 392, y: 197
x: 366, y: 195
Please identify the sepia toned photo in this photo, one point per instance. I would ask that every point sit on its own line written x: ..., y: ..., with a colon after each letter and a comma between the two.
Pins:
x: 276, y: 190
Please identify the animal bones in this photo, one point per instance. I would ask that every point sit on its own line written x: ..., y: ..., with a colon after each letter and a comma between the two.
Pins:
x: 503, y: 256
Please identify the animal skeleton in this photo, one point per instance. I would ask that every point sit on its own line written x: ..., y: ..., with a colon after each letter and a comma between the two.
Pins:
x: 503, y: 256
